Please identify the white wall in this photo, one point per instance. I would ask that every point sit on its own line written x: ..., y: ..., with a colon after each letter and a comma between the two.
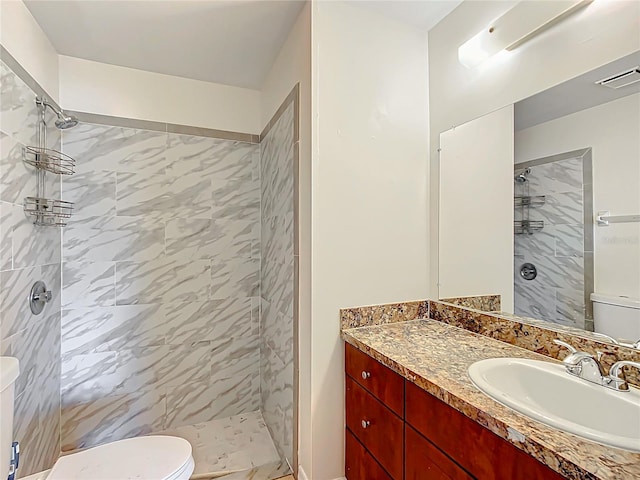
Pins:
x: 476, y: 208
x: 369, y: 191
x: 94, y: 87
x: 598, y: 34
x: 613, y: 131
x: 23, y: 38
x: 293, y: 65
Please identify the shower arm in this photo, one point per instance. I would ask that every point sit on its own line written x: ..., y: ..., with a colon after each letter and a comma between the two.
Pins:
x: 46, y: 103
x: 64, y: 121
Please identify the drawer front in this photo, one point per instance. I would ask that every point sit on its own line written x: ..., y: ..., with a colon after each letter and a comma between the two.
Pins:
x: 425, y: 461
x: 360, y: 465
x: 378, y: 428
x: 385, y: 384
x: 478, y: 450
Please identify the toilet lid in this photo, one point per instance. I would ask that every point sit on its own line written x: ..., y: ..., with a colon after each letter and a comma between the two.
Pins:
x: 155, y: 457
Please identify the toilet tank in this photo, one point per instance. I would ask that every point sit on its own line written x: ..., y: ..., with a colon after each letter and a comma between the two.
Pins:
x: 618, y: 317
x: 9, y: 369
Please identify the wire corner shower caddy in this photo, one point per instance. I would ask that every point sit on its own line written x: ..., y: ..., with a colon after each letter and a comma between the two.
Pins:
x: 525, y: 202
x: 45, y: 211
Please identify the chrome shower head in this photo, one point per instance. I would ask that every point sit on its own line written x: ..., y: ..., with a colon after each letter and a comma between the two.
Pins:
x: 521, y: 176
x: 64, y: 121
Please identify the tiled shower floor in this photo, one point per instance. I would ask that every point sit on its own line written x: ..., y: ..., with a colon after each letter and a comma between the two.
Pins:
x: 235, y: 448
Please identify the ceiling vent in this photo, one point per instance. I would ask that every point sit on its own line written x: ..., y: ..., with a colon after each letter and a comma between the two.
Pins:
x: 621, y: 79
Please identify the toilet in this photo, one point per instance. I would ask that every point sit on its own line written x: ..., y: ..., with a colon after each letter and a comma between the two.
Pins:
x: 9, y: 370
x: 617, y: 317
x: 155, y: 457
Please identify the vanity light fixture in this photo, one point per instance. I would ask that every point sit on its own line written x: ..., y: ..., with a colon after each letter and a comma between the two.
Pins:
x: 517, y: 26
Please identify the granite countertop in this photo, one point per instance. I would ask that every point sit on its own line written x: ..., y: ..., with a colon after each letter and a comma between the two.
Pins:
x: 435, y: 356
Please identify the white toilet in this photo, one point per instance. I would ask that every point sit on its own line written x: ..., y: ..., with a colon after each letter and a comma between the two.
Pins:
x: 154, y: 457
x: 618, y: 317
x: 9, y: 370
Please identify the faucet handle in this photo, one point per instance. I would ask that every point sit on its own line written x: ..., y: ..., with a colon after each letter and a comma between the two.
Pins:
x: 616, y: 374
x: 566, y: 345
x: 616, y: 368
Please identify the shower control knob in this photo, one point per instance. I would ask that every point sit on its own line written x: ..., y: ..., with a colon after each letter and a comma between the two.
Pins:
x: 38, y: 297
x: 528, y: 271
x: 42, y: 297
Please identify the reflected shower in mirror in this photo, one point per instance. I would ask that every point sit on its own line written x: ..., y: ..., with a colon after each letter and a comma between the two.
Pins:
x: 575, y: 184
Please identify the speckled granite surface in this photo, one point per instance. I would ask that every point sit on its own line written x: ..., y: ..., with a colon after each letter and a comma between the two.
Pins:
x: 484, y: 303
x: 435, y: 356
x: 534, y: 335
x: 383, y: 314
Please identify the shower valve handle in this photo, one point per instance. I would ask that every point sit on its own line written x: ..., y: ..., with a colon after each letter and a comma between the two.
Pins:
x: 42, y: 297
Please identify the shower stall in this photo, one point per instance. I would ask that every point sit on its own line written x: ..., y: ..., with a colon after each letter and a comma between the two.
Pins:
x: 171, y: 270
x: 553, y: 207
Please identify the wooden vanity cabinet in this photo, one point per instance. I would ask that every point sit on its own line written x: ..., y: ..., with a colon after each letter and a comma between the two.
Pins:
x: 382, y: 382
x: 425, y: 461
x: 475, y: 448
x: 360, y: 464
x: 397, y: 431
x: 375, y: 407
x: 379, y: 429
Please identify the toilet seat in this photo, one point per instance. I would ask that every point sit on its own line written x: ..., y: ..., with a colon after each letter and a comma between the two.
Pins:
x: 154, y: 457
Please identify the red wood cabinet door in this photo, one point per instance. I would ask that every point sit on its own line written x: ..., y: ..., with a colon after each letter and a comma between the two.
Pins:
x: 379, y: 429
x: 385, y: 384
x: 478, y: 450
x: 360, y: 465
x: 424, y: 461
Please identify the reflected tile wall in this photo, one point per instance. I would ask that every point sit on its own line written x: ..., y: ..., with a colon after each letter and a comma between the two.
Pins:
x: 160, y: 272
x: 28, y: 254
x: 277, y: 277
x: 557, y: 293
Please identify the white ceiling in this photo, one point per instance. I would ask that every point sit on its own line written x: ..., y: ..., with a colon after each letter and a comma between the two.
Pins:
x: 575, y: 95
x: 233, y: 42
x: 423, y: 14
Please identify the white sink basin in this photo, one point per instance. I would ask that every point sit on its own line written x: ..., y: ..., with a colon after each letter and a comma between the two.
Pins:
x: 545, y: 392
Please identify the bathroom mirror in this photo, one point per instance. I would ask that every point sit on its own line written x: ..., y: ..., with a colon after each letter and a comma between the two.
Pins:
x: 551, y: 207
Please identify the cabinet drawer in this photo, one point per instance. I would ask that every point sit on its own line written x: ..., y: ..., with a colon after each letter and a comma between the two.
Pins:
x: 385, y: 384
x: 360, y: 465
x: 379, y: 429
x: 475, y: 448
x: 425, y: 461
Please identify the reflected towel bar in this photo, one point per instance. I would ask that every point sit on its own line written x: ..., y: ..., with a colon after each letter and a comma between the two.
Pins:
x: 605, y: 218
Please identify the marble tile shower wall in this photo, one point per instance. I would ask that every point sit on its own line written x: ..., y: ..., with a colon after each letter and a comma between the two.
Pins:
x: 277, y: 290
x: 160, y: 294
x: 557, y: 293
x: 28, y: 254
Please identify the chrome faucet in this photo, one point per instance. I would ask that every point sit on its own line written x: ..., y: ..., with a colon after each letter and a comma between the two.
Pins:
x: 582, y: 364
x: 585, y: 366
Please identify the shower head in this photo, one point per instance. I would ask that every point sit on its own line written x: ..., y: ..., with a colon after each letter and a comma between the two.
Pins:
x: 521, y: 175
x: 64, y: 120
